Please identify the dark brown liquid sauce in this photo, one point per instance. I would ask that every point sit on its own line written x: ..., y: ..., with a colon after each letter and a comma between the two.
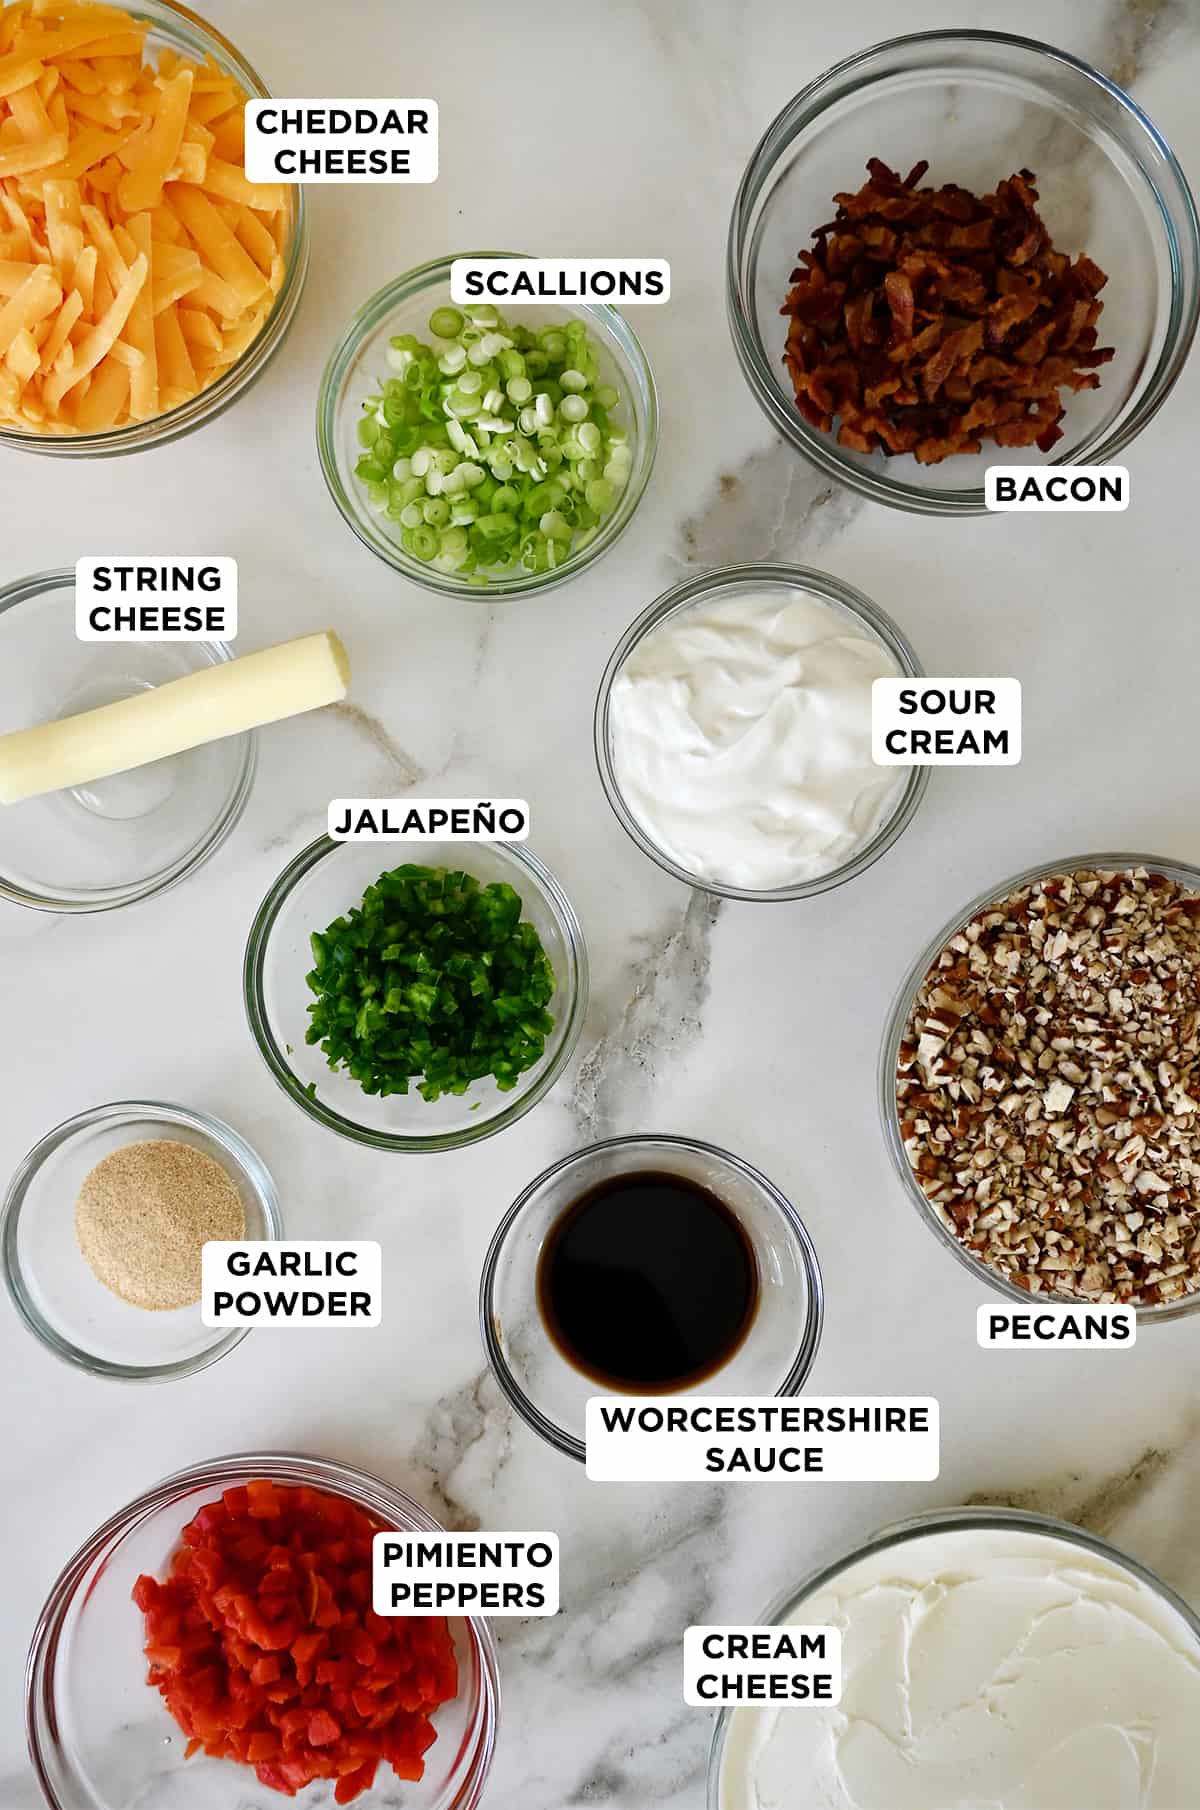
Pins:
x: 647, y: 1283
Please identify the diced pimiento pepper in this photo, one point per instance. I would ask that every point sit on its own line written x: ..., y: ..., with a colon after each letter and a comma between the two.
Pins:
x: 263, y: 1644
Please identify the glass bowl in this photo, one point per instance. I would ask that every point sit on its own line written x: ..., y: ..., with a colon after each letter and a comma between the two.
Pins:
x: 978, y: 105
x: 118, y: 840
x: 984, y: 1273
x: 51, y: 1284
x: 326, y: 879
x: 773, y: 1358
x: 177, y: 28
x: 359, y: 362
x: 865, y: 618
x: 1081, y: 1551
x: 101, y: 1739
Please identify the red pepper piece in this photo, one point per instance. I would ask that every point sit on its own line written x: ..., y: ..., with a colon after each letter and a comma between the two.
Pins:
x: 322, y: 1729
x: 353, y: 1784
x: 265, y: 1649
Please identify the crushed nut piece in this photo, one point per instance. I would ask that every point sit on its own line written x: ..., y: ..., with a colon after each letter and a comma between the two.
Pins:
x: 1047, y: 1086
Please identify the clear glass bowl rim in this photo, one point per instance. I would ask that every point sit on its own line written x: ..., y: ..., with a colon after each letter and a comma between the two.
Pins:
x: 252, y: 993
x: 991, y: 1279
x: 810, y: 1336
x: 17, y: 1191
x: 943, y: 1520
x: 342, y: 359
x: 846, y: 78
x: 764, y: 574
x: 368, y: 1491
x: 62, y: 578
x: 200, y: 37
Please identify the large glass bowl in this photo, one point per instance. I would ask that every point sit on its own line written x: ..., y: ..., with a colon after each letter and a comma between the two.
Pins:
x: 324, y: 881
x: 978, y: 105
x: 1080, y: 1549
x: 359, y: 362
x: 764, y: 580
x: 128, y: 837
x: 775, y: 1355
x: 51, y: 1285
x: 175, y: 27
x: 101, y: 1739
x: 988, y: 1277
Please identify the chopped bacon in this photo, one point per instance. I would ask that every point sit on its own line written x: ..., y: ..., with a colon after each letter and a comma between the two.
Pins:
x: 1009, y: 311
x: 928, y: 320
x: 1089, y: 275
x: 878, y: 241
x: 843, y: 252
x: 975, y: 237
x: 1033, y: 350
x: 858, y: 323
x: 901, y: 300
x: 957, y: 348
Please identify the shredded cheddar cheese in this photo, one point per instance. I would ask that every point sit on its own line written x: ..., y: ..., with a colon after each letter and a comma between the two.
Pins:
x: 137, y: 263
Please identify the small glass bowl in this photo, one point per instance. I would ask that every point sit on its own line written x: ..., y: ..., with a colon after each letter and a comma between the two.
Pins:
x: 777, y: 1352
x: 359, y: 363
x: 978, y: 105
x: 118, y: 840
x: 51, y: 1284
x: 1081, y: 1546
x: 988, y: 1277
x: 101, y: 1739
x: 865, y: 617
x: 324, y: 881
x: 175, y: 27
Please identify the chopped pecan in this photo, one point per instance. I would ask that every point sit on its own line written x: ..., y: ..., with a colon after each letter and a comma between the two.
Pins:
x: 1055, y: 1073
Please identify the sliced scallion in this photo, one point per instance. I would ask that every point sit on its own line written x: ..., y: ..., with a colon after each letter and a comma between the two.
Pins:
x: 496, y: 449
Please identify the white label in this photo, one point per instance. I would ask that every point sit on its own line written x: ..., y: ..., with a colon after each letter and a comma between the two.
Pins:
x: 428, y: 819
x: 342, y: 141
x: 156, y: 597
x: 1020, y: 1328
x: 1010, y: 488
x: 465, y: 1574
x: 842, y: 1438
x: 946, y: 722
x: 515, y: 280
x: 290, y: 1282
x: 727, y: 1666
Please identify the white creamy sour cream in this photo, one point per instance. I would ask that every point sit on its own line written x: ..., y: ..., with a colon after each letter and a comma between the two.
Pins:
x: 984, y: 1670
x: 741, y: 739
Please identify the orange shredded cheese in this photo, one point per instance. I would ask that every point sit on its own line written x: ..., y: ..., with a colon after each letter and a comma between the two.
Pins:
x: 137, y: 263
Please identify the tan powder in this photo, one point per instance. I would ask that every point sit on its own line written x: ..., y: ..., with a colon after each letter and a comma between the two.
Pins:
x: 143, y: 1215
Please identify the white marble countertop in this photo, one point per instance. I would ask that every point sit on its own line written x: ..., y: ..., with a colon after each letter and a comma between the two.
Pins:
x: 755, y: 1027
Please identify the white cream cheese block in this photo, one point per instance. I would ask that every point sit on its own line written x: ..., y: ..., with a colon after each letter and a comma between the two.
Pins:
x: 984, y: 1669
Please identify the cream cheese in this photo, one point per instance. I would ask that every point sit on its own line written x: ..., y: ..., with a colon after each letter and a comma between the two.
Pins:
x: 988, y: 1669
x: 740, y: 731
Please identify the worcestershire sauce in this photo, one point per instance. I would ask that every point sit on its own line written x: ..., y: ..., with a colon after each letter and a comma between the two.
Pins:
x: 647, y: 1283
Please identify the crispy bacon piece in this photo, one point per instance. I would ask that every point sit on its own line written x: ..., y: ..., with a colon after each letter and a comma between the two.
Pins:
x: 930, y: 320
x: 958, y: 348
x: 901, y: 300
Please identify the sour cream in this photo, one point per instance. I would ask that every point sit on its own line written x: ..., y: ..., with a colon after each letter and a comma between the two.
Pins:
x: 740, y: 732
x: 989, y: 1669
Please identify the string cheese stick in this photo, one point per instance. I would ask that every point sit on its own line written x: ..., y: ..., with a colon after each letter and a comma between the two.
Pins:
x: 201, y: 707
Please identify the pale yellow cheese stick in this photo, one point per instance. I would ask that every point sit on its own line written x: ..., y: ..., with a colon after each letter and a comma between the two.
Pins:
x: 201, y: 707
